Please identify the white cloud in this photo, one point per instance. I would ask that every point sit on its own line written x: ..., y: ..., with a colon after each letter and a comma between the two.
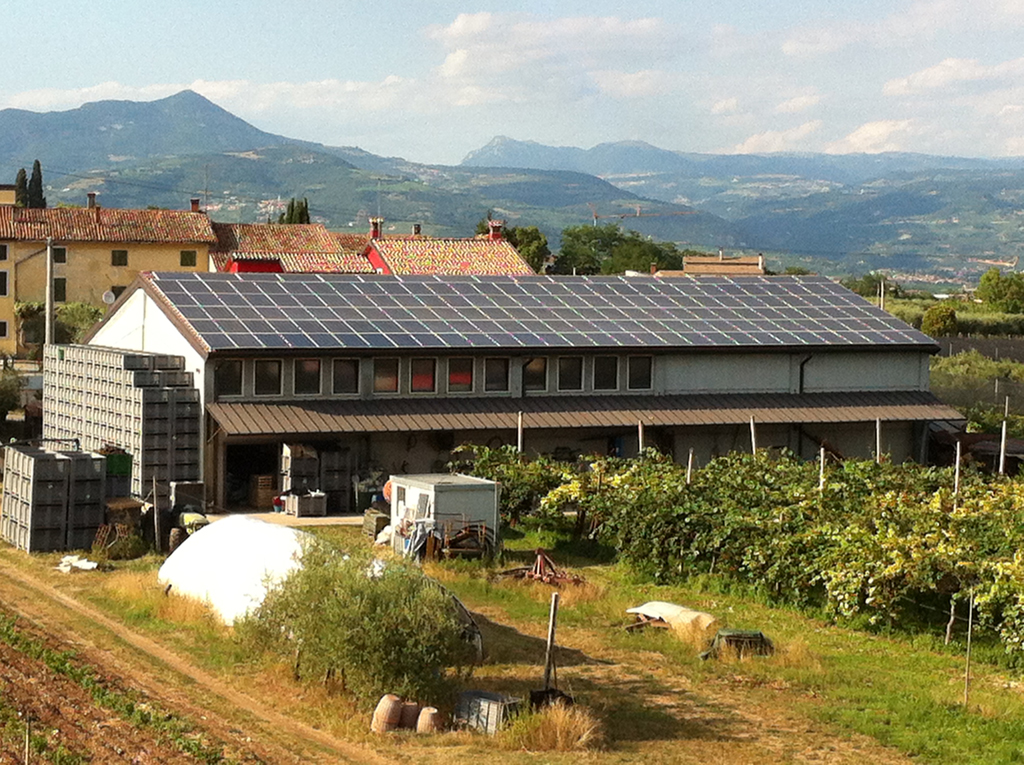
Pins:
x: 798, y: 104
x: 806, y: 43
x: 953, y: 71
x: 528, y: 59
x: 873, y: 138
x: 777, y: 140
x: 633, y: 84
x: 921, y: 20
x: 726, y: 106
x: 50, y: 99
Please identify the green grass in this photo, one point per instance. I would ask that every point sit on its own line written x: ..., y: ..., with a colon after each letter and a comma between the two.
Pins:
x: 903, y: 688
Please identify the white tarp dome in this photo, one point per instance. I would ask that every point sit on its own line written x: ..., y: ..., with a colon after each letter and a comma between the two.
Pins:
x: 229, y: 563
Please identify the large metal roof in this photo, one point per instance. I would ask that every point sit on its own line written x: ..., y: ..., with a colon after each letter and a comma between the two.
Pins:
x: 373, y: 312
x: 555, y: 412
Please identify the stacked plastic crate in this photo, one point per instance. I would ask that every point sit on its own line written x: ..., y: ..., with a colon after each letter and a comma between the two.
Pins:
x: 143, y: 403
x: 300, y: 467
x: 336, y: 480
x: 52, y: 501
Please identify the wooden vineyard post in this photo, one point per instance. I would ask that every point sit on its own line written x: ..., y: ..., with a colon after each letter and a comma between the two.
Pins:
x: 549, y: 656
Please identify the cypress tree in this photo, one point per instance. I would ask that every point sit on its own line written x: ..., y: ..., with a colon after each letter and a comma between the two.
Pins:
x: 21, y: 189
x: 35, y: 187
x: 303, y: 211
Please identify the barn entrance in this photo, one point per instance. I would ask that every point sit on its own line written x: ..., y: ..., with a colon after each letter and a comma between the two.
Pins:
x: 251, y: 475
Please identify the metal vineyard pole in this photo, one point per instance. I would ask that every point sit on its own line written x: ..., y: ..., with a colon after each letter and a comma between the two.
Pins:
x: 1002, y: 451
x: 519, y: 433
x: 689, y: 467
x: 821, y: 469
x: 753, y: 436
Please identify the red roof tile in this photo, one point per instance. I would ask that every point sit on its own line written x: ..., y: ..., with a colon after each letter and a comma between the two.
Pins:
x: 480, y: 256
x: 100, y: 224
x: 327, y: 263
x: 273, y: 238
x: 300, y: 248
x: 351, y: 242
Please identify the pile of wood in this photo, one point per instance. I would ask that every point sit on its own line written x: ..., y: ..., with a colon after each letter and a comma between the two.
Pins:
x: 543, y: 570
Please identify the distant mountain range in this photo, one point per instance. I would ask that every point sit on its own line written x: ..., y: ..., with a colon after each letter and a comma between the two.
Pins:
x: 922, y: 217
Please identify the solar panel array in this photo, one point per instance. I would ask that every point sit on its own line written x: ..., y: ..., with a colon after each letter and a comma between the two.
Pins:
x: 364, y: 312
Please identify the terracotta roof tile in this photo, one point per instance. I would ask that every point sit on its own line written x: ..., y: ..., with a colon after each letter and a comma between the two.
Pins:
x: 100, y: 224
x: 480, y: 256
x: 273, y: 238
x: 327, y: 263
x: 351, y: 242
x: 302, y: 248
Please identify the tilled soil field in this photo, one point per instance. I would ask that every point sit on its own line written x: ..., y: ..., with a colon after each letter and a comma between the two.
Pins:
x: 61, y: 702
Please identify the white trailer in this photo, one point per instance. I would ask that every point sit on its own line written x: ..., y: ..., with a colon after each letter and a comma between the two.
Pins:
x: 443, y: 504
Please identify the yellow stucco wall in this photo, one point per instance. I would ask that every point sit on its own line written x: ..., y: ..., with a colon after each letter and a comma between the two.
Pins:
x: 88, y: 273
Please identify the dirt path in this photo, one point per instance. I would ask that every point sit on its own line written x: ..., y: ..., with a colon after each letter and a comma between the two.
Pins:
x: 40, y: 602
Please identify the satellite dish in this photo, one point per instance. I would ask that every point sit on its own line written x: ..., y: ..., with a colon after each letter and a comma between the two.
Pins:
x: 108, y: 297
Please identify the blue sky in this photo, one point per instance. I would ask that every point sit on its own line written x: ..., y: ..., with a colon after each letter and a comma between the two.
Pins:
x: 433, y: 81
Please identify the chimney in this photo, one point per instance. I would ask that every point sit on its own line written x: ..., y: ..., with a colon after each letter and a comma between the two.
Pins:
x: 91, y: 195
x: 494, y: 230
x: 195, y: 204
x: 416, y: 229
x: 376, y: 224
x: 654, y: 268
x: 721, y: 254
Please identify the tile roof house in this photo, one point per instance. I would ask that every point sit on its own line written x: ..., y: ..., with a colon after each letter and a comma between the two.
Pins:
x: 394, y: 371
x: 97, y: 252
x: 489, y: 255
x: 283, y: 248
x: 311, y: 248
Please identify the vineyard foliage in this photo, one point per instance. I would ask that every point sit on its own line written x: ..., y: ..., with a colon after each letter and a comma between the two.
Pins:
x: 875, y: 540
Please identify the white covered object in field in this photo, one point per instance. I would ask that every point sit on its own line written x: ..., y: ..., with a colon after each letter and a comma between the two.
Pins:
x: 679, y: 618
x: 229, y: 563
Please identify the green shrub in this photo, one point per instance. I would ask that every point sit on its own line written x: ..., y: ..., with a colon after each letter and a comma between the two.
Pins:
x: 524, y: 481
x: 940, y: 321
x: 375, y: 628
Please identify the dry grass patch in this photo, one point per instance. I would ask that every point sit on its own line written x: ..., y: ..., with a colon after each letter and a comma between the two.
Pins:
x: 568, y: 595
x: 145, y: 594
x: 558, y: 727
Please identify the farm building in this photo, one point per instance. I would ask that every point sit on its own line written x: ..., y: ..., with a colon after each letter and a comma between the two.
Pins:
x: 389, y: 373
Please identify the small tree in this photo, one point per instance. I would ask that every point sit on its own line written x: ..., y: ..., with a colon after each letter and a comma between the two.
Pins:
x: 35, y: 187
x: 297, y: 212
x: 10, y: 391
x: 377, y: 629
x: 940, y: 321
x: 529, y: 241
x: 21, y: 189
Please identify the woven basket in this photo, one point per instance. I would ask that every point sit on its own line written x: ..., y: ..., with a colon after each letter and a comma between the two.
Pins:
x: 429, y: 720
x: 387, y: 715
x: 410, y: 715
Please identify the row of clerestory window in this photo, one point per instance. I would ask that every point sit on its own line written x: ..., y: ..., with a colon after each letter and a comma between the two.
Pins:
x: 457, y: 375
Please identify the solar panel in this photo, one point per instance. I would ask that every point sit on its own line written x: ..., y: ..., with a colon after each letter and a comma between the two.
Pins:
x: 253, y: 311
